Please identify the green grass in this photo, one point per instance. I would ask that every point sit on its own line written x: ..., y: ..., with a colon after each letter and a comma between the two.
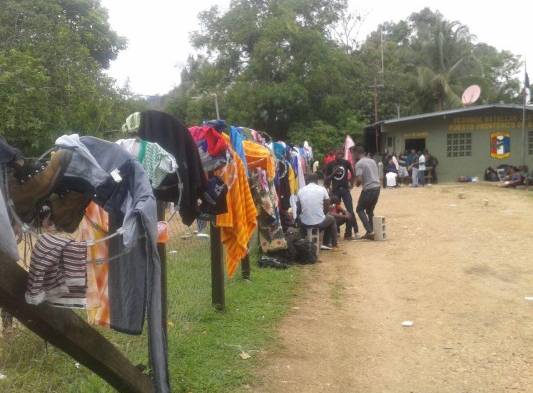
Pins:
x: 204, y: 345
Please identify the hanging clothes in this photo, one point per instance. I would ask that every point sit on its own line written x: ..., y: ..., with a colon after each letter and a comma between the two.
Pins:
x: 156, y: 161
x: 258, y: 156
x: 209, y: 161
x: 216, y: 145
x: 283, y: 186
x: 58, y: 272
x: 94, y: 227
x: 135, y: 274
x: 8, y: 243
x: 176, y: 139
x: 271, y: 236
x: 237, y: 140
x: 238, y: 224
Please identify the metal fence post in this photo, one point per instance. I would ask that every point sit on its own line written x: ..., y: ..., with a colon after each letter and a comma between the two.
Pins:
x: 217, y: 269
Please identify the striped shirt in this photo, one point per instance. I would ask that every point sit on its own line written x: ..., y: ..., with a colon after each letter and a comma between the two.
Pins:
x: 58, y: 272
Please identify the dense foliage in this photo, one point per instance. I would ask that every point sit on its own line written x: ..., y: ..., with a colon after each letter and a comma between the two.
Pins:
x: 52, y: 57
x: 294, y: 68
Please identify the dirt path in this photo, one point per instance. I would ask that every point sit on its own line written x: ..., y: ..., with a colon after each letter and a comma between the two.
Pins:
x: 448, y: 267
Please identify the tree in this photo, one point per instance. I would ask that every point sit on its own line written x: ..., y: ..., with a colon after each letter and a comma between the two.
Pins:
x: 52, y: 56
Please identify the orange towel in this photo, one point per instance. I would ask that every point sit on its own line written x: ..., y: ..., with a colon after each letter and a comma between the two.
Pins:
x: 259, y: 156
x: 238, y: 224
x: 94, y: 226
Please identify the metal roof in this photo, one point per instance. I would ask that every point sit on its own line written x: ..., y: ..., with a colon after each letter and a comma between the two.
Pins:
x: 452, y: 112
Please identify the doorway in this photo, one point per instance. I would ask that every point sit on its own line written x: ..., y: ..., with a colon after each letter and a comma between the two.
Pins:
x: 416, y: 144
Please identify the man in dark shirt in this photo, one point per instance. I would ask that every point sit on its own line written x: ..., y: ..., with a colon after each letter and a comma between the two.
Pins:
x: 337, y: 178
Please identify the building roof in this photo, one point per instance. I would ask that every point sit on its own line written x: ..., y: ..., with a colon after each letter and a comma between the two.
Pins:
x: 451, y: 112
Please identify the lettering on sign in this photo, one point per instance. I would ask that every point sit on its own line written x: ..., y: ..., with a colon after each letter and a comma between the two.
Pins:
x: 415, y: 135
x: 476, y: 123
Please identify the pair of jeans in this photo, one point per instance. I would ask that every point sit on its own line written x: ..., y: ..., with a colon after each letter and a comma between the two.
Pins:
x: 421, y: 177
x: 346, y: 198
x: 329, y: 226
x: 365, y: 207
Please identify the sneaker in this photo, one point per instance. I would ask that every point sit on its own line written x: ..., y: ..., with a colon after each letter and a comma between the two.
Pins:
x: 326, y: 247
x: 202, y: 235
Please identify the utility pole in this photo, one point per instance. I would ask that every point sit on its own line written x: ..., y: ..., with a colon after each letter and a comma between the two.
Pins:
x: 216, y: 105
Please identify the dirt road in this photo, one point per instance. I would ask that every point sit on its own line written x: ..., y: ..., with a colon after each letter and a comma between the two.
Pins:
x: 460, y: 269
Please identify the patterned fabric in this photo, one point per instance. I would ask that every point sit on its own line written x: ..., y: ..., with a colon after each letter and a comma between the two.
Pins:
x: 94, y: 226
x: 58, y: 272
x: 156, y: 161
x: 271, y: 236
x: 238, y: 224
x: 133, y: 123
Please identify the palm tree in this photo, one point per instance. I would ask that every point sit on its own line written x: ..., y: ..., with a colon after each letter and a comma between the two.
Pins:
x: 448, y: 55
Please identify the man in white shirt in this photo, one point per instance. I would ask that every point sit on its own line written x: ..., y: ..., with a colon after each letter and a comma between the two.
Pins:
x: 313, y: 201
x: 421, y: 169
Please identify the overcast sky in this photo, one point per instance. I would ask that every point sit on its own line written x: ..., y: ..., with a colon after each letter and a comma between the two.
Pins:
x: 158, y: 31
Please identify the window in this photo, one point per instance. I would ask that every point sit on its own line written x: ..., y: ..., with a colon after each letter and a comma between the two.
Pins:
x: 390, y: 142
x: 530, y: 142
x: 459, y: 145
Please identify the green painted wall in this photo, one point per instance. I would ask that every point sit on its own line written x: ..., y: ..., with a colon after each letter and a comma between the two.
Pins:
x: 480, y: 124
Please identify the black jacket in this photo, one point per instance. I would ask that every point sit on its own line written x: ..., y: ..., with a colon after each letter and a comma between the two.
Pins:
x: 175, y: 138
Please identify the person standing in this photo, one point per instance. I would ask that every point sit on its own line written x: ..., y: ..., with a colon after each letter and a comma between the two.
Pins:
x: 313, y: 204
x: 421, y: 169
x: 366, y: 172
x: 414, y: 172
x: 432, y: 163
x: 337, y: 178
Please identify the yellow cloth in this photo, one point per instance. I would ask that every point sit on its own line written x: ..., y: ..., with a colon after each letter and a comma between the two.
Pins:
x: 293, y: 181
x: 238, y: 224
x: 259, y: 156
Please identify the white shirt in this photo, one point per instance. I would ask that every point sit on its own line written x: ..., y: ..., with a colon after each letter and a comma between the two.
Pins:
x: 421, y: 163
x: 312, y: 198
x: 391, y: 179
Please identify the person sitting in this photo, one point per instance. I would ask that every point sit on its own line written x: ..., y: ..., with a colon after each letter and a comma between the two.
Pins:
x: 513, y: 178
x: 338, y: 212
x: 313, y: 203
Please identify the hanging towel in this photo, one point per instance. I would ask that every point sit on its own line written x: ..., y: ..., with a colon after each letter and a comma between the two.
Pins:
x: 238, y: 224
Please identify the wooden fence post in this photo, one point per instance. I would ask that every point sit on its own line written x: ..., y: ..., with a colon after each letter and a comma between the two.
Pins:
x: 245, y: 267
x: 70, y: 333
x: 162, y: 250
x: 217, y: 269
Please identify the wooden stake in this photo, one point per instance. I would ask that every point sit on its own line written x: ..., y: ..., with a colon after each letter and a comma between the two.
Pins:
x: 70, y: 333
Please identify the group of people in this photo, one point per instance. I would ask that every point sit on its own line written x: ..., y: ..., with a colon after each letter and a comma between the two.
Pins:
x: 319, y: 205
x: 413, y: 166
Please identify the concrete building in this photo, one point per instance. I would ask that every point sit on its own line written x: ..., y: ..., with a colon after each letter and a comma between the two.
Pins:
x: 465, y: 141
